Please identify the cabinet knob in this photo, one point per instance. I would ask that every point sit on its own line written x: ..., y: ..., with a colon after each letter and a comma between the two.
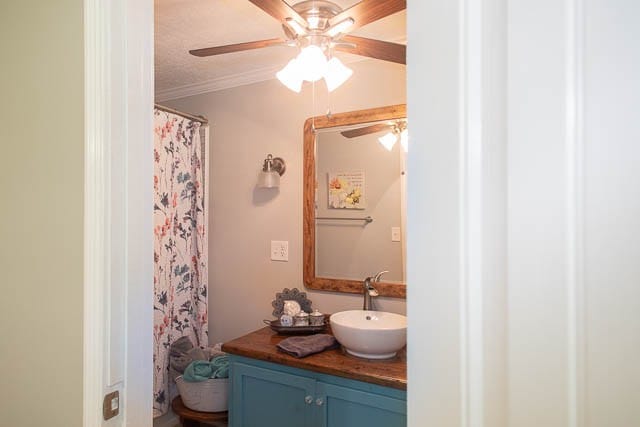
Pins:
x: 319, y: 401
x: 308, y: 400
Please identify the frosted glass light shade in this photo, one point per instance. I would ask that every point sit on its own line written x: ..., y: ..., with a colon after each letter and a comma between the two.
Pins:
x: 340, y: 27
x: 337, y: 73
x: 314, y: 21
x: 388, y: 140
x: 269, y: 179
x: 312, y: 63
x: 290, y: 76
x: 404, y: 140
x: 299, y: 29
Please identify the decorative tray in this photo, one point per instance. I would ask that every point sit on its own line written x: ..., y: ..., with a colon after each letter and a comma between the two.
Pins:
x: 295, y: 330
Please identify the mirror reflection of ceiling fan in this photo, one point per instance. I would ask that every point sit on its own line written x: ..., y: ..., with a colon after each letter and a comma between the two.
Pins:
x: 319, y: 28
x: 396, y: 130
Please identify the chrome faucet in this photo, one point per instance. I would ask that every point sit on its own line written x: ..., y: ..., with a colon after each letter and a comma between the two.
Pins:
x: 370, y: 290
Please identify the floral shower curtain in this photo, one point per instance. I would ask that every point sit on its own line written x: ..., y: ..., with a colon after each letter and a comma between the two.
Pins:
x: 180, y: 245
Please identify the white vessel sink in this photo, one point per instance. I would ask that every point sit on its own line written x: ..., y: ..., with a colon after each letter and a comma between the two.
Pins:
x: 370, y: 334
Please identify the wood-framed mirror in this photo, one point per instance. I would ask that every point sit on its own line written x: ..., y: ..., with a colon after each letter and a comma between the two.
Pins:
x: 354, y: 201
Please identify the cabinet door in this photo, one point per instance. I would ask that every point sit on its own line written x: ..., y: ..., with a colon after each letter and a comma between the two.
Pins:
x: 262, y: 397
x: 346, y: 407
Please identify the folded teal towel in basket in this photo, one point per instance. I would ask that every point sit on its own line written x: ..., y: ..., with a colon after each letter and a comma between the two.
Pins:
x: 222, y: 367
x: 202, y: 370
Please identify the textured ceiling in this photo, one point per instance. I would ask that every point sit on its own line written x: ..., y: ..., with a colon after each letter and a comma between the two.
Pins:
x: 181, y: 25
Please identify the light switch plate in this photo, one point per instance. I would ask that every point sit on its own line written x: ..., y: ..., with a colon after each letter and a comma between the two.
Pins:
x: 279, y: 250
x: 395, y: 234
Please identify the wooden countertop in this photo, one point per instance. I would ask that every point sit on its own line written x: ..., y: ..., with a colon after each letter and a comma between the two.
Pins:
x: 261, y: 345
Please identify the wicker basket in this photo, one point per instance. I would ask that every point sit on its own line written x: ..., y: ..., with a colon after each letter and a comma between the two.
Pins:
x: 204, y: 396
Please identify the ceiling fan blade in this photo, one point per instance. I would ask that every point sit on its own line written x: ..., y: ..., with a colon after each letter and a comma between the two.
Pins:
x: 368, y: 11
x: 378, y: 49
x: 352, y: 133
x: 238, y: 47
x: 280, y: 10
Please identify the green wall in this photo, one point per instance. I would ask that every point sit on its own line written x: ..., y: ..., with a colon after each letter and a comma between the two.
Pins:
x: 41, y: 212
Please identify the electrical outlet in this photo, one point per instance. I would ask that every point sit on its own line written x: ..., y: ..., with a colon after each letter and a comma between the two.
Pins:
x: 395, y: 234
x: 279, y: 250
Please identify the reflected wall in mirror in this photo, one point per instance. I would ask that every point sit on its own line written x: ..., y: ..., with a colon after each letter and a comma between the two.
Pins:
x: 354, y: 200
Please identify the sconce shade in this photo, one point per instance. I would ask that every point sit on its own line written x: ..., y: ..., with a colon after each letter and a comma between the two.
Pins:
x: 272, y: 169
x: 269, y: 179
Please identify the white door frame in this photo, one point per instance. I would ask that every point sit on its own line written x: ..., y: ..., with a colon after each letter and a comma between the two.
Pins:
x: 456, y: 215
x: 118, y: 264
x: 118, y: 210
x: 456, y: 266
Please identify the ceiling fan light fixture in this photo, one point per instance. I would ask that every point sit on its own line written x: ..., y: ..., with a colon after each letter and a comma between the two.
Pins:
x: 340, y: 27
x: 388, y: 140
x: 290, y: 76
x: 337, y: 73
x: 312, y: 63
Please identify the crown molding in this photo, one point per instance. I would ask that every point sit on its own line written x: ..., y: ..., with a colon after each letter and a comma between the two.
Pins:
x: 220, y: 83
x: 228, y: 82
x: 237, y: 79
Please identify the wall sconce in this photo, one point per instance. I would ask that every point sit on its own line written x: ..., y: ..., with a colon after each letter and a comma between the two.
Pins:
x: 272, y: 169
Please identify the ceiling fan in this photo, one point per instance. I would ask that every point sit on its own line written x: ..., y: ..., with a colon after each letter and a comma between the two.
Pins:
x: 318, y: 28
x: 396, y: 130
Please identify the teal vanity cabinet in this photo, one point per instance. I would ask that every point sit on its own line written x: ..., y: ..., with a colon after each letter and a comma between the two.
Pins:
x: 265, y: 394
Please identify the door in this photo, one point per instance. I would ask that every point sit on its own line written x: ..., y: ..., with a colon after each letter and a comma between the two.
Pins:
x: 346, y: 407
x: 262, y: 397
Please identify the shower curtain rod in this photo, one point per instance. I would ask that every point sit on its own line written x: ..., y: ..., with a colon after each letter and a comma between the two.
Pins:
x: 200, y: 119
